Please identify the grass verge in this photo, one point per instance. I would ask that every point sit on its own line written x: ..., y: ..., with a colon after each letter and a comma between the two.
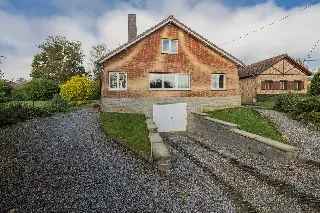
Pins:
x: 130, y: 128
x: 267, y: 104
x: 249, y: 120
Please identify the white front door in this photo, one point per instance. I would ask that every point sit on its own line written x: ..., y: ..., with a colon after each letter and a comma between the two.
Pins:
x: 170, y: 117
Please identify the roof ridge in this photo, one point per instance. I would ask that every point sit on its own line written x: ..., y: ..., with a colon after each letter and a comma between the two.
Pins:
x: 171, y: 18
x: 261, y: 61
x: 260, y: 66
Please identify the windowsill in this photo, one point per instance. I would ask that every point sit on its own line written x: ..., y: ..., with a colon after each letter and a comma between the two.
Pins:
x: 224, y: 89
x: 168, y: 89
x: 110, y: 89
x: 170, y: 53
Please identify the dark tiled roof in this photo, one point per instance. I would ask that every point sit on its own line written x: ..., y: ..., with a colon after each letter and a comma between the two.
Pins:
x: 171, y: 19
x: 257, y: 68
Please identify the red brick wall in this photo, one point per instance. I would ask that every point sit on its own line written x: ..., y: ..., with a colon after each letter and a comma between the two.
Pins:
x: 193, y: 57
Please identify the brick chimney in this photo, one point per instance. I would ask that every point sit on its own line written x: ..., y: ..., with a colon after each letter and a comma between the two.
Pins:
x: 132, y: 27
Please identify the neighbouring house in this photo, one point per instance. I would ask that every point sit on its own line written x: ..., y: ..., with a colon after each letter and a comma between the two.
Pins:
x: 276, y: 75
x: 168, y: 63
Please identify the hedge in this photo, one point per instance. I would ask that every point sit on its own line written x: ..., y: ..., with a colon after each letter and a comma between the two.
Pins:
x: 304, y: 108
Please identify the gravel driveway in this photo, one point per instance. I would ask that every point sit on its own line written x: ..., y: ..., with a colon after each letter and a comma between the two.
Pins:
x: 65, y: 163
x: 306, y: 139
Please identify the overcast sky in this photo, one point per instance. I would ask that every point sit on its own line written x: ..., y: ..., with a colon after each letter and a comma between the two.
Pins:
x: 26, y: 23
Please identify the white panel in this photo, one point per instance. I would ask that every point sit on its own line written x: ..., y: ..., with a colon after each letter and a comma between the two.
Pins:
x: 170, y: 117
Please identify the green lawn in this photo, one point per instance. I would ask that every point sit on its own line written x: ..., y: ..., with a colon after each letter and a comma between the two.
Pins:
x: 249, y: 120
x: 267, y: 104
x: 129, y: 128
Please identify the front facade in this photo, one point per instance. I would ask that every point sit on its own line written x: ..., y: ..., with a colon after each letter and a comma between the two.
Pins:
x: 169, y: 64
x: 277, y: 75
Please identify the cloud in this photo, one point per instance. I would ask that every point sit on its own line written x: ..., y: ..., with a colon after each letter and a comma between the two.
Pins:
x: 20, y: 35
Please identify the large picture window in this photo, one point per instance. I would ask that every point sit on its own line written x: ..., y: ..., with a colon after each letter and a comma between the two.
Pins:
x: 117, y: 80
x: 160, y: 81
x: 218, y: 82
x: 169, y: 46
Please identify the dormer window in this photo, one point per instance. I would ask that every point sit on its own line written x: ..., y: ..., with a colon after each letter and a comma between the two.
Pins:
x: 169, y: 46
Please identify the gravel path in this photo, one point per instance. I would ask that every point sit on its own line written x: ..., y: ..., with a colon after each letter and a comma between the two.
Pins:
x: 306, y: 139
x: 65, y: 163
x: 246, y: 183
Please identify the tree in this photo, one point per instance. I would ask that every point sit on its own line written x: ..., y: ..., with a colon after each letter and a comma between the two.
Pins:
x: 1, y: 62
x: 58, y: 60
x: 96, y: 53
x: 315, y: 84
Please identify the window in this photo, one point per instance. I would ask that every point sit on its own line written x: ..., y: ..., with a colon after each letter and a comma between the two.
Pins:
x: 169, y: 46
x: 284, y: 85
x: 159, y: 81
x: 297, y: 85
x: 218, y: 81
x: 117, y: 80
x: 268, y: 85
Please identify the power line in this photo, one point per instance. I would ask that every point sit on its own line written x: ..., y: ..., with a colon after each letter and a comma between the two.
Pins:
x: 313, y: 48
x: 283, y: 18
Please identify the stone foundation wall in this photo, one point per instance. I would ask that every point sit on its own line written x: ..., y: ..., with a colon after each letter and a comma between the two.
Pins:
x: 144, y: 105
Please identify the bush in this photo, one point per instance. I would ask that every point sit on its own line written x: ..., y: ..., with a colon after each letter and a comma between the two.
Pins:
x: 315, y: 85
x: 42, y: 89
x: 266, y: 97
x: 15, y: 112
x: 286, y: 102
x: 306, y: 109
x: 37, y: 90
x: 78, y: 88
x: 310, y: 104
x: 5, y: 91
x: 20, y: 93
x: 58, y: 104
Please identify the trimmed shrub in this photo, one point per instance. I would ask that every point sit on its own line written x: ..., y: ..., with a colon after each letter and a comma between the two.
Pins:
x: 78, y: 88
x: 315, y: 85
x: 286, y: 102
x: 42, y: 89
x: 37, y: 90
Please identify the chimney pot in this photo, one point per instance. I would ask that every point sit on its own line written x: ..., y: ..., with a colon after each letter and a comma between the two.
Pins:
x: 132, y: 27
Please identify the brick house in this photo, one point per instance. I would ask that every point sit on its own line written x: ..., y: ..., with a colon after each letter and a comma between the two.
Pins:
x: 168, y: 63
x: 276, y: 75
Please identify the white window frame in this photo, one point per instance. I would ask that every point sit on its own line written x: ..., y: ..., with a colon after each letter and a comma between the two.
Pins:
x: 176, y: 81
x: 224, y: 81
x: 118, y: 88
x: 170, y: 46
